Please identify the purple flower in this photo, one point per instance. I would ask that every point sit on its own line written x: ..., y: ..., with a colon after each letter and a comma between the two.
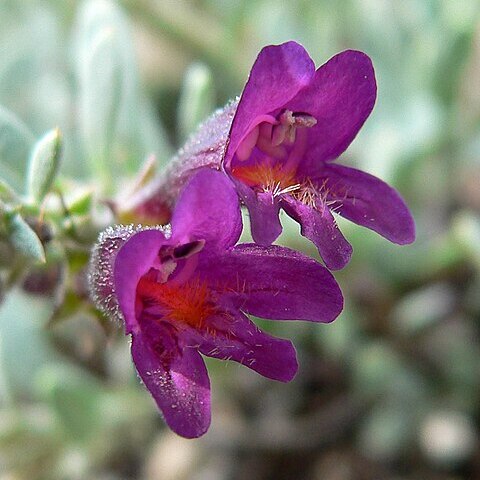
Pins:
x: 277, y: 144
x: 185, y: 291
x: 290, y: 123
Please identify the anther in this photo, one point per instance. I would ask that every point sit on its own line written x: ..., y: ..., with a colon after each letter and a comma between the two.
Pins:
x: 285, y: 131
x: 188, y: 249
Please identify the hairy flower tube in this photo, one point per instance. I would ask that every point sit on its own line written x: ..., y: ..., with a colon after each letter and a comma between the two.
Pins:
x: 186, y: 290
x: 290, y: 123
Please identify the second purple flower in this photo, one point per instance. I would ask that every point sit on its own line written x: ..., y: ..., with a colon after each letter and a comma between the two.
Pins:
x: 291, y: 121
x: 186, y: 291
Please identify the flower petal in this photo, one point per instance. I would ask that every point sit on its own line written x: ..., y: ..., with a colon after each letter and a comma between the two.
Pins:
x: 340, y: 97
x: 264, y: 213
x: 274, y: 282
x: 180, y: 387
x: 319, y: 226
x: 368, y: 201
x: 133, y: 260
x: 235, y: 337
x: 208, y: 209
x: 277, y: 75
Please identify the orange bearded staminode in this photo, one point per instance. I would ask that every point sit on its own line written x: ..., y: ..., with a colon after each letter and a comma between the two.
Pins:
x: 187, y: 303
x: 269, y: 178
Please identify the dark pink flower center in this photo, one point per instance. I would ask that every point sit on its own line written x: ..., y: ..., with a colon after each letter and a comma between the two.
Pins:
x: 187, y: 303
x: 173, y: 291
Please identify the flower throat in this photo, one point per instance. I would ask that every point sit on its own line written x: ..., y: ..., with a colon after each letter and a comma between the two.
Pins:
x: 281, y: 142
x: 186, y: 303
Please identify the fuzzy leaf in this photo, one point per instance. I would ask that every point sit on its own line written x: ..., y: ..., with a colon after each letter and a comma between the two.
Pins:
x: 24, y: 239
x: 101, y: 94
x: 107, y: 85
x: 43, y: 166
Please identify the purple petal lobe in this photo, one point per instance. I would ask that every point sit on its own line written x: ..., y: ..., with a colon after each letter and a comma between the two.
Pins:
x: 180, y: 386
x: 319, y: 226
x: 340, y: 97
x: 276, y: 283
x: 237, y: 338
x: 278, y: 74
x: 133, y: 260
x: 368, y: 201
x: 208, y: 209
x: 264, y: 213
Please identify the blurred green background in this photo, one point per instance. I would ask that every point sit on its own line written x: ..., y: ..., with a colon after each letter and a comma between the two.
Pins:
x: 390, y: 390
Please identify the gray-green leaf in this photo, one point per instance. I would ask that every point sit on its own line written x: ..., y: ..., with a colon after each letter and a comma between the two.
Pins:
x: 43, y: 166
x: 107, y: 83
x: 23, y: 238
x: 7, y: 193
x: 15, y: 143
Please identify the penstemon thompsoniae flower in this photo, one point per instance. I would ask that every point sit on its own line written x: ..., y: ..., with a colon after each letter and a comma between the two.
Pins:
x: 276, y: 144
x: 186, y: 290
